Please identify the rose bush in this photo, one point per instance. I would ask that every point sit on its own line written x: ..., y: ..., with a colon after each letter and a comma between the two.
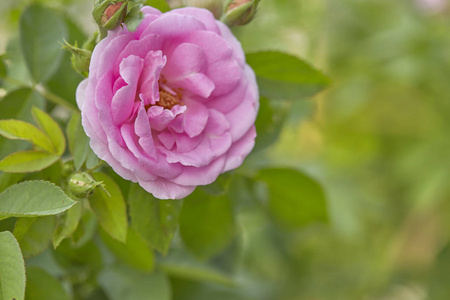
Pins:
x: 173, y: 104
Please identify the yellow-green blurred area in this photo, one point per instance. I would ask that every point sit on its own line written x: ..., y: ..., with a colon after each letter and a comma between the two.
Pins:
x: 377, y: 140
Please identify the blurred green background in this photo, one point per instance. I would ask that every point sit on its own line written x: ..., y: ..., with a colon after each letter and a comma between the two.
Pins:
x: 377, y: 140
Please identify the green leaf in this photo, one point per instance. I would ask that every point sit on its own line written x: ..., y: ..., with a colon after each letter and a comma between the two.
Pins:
x: 179, y: 264
x: 40, y: 31
x: 220, y: 186
x: 3, y: 69
x: 295, y: 200
x: 438, y: 287
x: 161, y: 5
x: 78, y: 141
x: 135, y: 251
x: 20, y: 130
x: 65, y: 81
x: 33, y: 199
x: 87, y: 257
x: 268, y: 123
x: 283, y: 76
x: 34, y: 234
x: 12, y: 268
x: 51, y: 128
x: 110, y: 209
x: 206, y: 223
x: 86, y: 230
x: 41, y: 285
x: 18, y: 103
x: 71, y: 130
x: 27, y: 161
x: 121, y: 283
x: 68, y: 224
x: 155, y: 220
x: 8, y: 179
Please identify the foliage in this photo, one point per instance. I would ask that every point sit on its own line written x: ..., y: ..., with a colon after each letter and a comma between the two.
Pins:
x: 287, y: 224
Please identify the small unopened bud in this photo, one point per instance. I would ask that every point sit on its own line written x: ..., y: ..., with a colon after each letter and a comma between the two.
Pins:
x: 82, y: 184
x: 81, y: 58
x: 109, y: 14
x: 239, y: 12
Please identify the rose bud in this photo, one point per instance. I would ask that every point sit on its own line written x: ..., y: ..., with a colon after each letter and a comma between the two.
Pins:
x: 82, y: 184
x: 81, y: 58
x: 109, y: 14
x: 239, y: 12
x: 171, y: 105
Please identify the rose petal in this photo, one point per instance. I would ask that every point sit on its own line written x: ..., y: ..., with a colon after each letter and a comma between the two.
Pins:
x: 173, y: 25
x: 195, y: 118
x: 186, y: 69
x: 164, y: 189
x: 80, y: 93
x: 244, y: 115
x: 160, y: 117
x: 122, y: 103
x: 201, y: 176
x: 203, y: 15
x: 240, y: 149
x: 149, y: 82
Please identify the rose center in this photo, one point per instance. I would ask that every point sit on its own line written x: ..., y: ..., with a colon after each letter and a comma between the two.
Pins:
x: 168, y: 99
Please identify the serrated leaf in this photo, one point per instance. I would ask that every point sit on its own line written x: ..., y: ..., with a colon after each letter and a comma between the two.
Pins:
x: 295, y: 200
x: 68, y: 224
x: 110, y: 210
x: 51, y: 128
x: 135, y: 251
x: 40, y: 31
x: 41, y: 285
x: 155, y: 220
x: 34, y: 234
x: 27, y: 161
x: 12, y: 268
x: 284, y: 76
x: 206, y: 223
x: 20, y: 130
x: 33, y: 199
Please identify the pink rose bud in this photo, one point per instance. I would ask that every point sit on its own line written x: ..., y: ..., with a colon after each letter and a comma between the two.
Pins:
x: 173, y: 104
x: 109, y: 13
x: 239, y: 12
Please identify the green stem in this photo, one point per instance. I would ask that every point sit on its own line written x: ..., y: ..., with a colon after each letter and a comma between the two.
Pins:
x: 55, y: 98
x: 14, y: 81
x: 103, y: 32
x: 44, y: 92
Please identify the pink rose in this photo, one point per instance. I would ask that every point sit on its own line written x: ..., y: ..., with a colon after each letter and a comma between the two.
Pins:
x: 171, y: 105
